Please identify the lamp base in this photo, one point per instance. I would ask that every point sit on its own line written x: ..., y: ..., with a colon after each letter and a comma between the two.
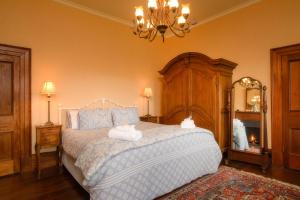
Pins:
x: 49, y: 123
x: 148, y: 115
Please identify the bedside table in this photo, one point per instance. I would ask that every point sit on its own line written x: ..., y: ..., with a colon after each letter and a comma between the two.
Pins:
x: 153, y: 119
x: 47, y: 137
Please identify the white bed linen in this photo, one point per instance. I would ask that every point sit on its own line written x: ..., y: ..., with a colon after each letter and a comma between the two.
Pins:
x: 126, y: 173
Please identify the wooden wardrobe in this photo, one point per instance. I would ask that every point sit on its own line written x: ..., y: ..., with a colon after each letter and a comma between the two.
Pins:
x: 196, y: 85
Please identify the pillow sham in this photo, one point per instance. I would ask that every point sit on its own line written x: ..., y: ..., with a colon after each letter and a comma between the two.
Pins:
x: 123, y: 116
x: 72, y: 119
x: 95, y: 119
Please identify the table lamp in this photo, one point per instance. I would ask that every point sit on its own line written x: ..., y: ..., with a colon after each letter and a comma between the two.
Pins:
x: 48, y: 90
x: 147, y: 95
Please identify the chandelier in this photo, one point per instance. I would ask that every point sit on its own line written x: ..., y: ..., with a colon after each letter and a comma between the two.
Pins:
x: 160, y: 16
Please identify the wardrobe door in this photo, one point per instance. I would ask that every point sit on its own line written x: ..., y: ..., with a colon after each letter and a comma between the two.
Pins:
x: 202, y: 101
x: 175, y: 95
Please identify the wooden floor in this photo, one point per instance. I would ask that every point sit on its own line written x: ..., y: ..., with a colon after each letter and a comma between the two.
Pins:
x: 53, y: 185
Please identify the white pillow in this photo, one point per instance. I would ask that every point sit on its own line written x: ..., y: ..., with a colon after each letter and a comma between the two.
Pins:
x: 123, y: 116
x: 95, y: 119
x: 73, y: 119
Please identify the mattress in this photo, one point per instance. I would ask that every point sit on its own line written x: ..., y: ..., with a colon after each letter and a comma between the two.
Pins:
x: 166, y: 158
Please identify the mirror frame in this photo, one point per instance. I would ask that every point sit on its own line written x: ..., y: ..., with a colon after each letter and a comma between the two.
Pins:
x: 261, y: 158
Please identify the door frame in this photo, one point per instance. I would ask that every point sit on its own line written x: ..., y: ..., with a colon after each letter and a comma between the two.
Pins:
x: 24, y: 54
x: 278, y: 140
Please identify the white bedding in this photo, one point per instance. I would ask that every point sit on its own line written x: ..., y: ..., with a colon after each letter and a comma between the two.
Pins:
x: 164, y: 159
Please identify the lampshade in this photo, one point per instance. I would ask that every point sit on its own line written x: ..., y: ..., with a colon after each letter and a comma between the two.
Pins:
x: 48, y: 88
x: 148, y: 92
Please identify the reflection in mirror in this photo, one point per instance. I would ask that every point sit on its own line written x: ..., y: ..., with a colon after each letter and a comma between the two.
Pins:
x: 253, y: 99
x: 246, y: 115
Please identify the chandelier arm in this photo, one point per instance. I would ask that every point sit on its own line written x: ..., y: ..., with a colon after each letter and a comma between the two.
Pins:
x: 183, y: 29
x: 155, y: 19
x: 151, y: 16
x: 175, y: 18
x: 153, y: 36
x: 177, y: 34
x: 143, y: 34
x: 171, y: 23
x: 166, y: 15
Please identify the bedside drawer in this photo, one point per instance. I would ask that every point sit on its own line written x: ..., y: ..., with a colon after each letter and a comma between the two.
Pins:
x: 51, y: 130
x: 49, y: 138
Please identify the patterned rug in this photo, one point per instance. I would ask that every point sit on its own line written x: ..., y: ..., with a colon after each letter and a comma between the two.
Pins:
x: 232, y: 184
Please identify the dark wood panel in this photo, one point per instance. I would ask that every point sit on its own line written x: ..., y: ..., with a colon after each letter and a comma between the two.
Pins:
x: 294, y: 136
x: 6, y: 146
x: 294, y: 149
x: 294, y: 73
x: 6, y: 89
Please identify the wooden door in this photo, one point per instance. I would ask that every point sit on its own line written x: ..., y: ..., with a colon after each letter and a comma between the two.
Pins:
x: 285, y: 77
x: 202, y: 96
x: 175, y: 95
x: 14, y: 108
x: 291, y: 109
x: 9, y: 115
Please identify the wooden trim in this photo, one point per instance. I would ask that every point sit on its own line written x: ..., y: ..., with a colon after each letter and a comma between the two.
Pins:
x: 25, y: 101
x: 248, y: 116
x: 188, y: 57
x: 278, y: 146
x: 259, y: 159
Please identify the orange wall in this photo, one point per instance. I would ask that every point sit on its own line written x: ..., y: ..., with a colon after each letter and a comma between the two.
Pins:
x: 86, y: 56
x: 89, y: 57
x: 245, y: 37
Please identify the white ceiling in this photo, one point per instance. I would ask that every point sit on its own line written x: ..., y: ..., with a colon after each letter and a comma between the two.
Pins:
x: 123, y: 10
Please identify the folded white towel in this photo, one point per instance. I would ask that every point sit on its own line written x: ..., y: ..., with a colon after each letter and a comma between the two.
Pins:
x: 126, y: 132
x: 188, y: 123
x: 126, y: 128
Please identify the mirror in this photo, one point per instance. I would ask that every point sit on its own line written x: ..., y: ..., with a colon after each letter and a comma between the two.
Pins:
x: 253, y: 97
x: 246, y: 116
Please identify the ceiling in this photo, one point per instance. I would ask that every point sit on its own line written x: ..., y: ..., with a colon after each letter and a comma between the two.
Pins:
x: 123, y: 10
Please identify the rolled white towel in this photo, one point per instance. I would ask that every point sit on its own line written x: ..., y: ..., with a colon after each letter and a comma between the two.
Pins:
x: 125, y: 133
x: 188, y: 123
x: 127, y: 128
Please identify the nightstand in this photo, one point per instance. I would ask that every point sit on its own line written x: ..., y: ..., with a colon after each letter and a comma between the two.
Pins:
x: 153, y: 119
x: 48, y: 137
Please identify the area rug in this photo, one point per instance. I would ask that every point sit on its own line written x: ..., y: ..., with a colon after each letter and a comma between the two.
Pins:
x: 232, y: 184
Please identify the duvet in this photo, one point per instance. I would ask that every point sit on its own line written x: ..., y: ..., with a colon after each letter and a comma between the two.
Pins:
x: 166, y: 158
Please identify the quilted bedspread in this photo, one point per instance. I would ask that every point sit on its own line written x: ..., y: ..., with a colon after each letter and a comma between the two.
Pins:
x: 165, y: 158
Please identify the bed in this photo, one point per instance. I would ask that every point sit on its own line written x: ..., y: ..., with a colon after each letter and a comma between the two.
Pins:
x: 166, y: 158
